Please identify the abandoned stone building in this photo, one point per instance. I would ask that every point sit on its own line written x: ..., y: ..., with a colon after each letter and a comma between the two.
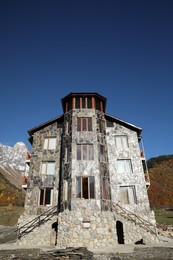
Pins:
x: 88, y: 180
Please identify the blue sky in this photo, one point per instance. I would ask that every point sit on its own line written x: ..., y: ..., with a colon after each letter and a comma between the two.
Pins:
x: 119, y: 48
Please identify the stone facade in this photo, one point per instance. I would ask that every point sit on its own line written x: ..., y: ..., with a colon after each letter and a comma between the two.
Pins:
x: 89, y: 165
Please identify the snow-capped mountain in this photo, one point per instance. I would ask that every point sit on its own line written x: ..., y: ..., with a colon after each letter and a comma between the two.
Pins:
x: 13, y: 157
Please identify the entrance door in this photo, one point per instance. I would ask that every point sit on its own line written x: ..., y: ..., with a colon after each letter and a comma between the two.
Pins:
x: 120, y: 233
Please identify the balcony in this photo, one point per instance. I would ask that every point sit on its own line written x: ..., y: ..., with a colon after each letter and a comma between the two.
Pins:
x: 28, y: 157
x: 147, y: 179
x: 24, y: 182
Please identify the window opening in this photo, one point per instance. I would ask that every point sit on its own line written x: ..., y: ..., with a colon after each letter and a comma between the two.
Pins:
x: 50, y: 143
x: 84, y: 124
x: 86, y: 187
x: 48, y: 168
x: 85, y: 152
x: 121, y: 141
x: 128, y: 195
x: 124, y: 166
x: 102, y: 153
x: 45, y: 197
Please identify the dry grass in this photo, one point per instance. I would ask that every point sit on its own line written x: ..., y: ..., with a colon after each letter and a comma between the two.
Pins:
x: 9, y: 215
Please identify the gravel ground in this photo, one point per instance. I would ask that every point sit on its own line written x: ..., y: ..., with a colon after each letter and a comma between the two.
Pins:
x: 138, y: 254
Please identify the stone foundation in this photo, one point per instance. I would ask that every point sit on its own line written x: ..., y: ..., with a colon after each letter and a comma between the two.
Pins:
x: 97, y: 230
x: 87, y: 228
x: 43, y: 235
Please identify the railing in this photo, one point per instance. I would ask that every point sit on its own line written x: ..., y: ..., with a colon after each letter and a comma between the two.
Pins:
x: 134, y: 218
x: 41, y: 219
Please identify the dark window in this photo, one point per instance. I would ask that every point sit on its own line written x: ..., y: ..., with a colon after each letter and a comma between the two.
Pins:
x: 77, y: 102
x: 105, y: 189
x: 102, y: 153
x: 69, y: 104
x: 98, y: 104
x: 109, y: 123
x: 89, y: 102
x: 101, y: 126
x: 83, y: 103
x: 86, y: 187
x: 84, y: 124
x: 45, y: 197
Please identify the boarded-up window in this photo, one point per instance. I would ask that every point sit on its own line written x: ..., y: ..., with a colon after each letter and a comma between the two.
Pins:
x: 48, y: 168
x: 85, y: 152
x: 67, y: 154
x: 128, y: 195
x: 65, y: 190
x: 85, y: 187
x: 50, y: 143
x: 124, y: 166
x: 45, y: 197
x: 84, y: 124
x: 102, y: 153
x: 102, y: 126
x: 105, y: 189
x: 121, y: 142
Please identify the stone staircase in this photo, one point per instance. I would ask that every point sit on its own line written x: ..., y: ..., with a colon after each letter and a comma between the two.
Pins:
x: 118, y: 209
x: 36, y: 222
x: 130, y: 216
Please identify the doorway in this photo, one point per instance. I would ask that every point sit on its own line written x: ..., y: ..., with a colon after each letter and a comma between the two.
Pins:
x: 120, y: 233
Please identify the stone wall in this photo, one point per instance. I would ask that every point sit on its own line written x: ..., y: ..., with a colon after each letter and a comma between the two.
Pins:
x: 43, y: 235
x: 86, y: 228
x: 36, y: 180
x: 136, y: 177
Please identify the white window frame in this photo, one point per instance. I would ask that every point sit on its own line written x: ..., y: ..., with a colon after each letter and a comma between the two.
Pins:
x: 44, y: 197
x: 48, y: 168
x: 124, y: 166
x: 128, y: 194
x: 121, y: 142
x: 49, y: 143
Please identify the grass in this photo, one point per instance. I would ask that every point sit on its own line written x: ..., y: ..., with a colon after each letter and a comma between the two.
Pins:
x: 9, y: 215
x: 164, y: 216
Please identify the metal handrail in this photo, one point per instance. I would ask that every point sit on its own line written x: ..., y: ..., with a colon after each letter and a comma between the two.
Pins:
x: 142, y: 222
x: 29, y: 226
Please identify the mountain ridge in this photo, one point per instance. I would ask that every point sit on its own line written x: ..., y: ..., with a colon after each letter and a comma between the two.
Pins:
x: 161, y: 178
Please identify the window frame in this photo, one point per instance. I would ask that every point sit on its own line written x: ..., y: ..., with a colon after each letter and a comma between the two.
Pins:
x: 67, y: 154
x: 47, y: 146
x: 65, y: 190
x: 130, y: 191
x: 82, y: 121
x: 127, y: 164
x: 85, y: 150
x: 81, y: 190
x: 102, y: 153
x: 43, y: 199
x: 105, y: 185
x: 121, y: 144
x: 45, y: 171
